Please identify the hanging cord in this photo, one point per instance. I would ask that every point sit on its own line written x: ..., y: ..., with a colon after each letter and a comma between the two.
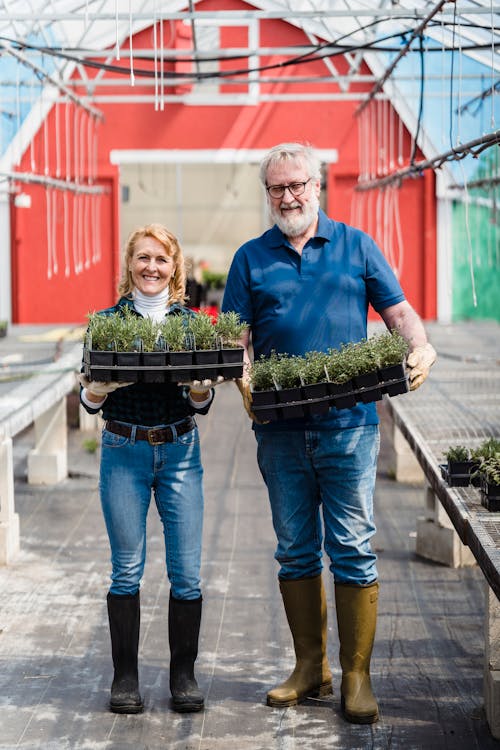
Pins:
x: 162, y: 80
x: 132, y: 77
x: 155, y: 56
x: 452, y: 74
x: 117, y: 38
x: 399, y: 233
x: 421, y: 98
x: 492, y: 68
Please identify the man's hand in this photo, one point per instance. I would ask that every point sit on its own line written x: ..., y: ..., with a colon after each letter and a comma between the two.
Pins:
x: 98, y: 388
x: 246, y: 394
x: 419, y: 363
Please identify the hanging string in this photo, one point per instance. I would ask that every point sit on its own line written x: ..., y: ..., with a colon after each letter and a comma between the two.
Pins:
x: 132, y: 77
x: 155, y: 58
x: 421, y: 99
x: 162, y: 62
x: 492, y: 67
x: 53, y: 243
x: 117, y: 36
x: 48, y: 233
x: 468, y: 234
x: 400, y: 142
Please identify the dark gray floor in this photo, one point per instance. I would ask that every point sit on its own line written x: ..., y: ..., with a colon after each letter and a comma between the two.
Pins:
x: 55, y: 667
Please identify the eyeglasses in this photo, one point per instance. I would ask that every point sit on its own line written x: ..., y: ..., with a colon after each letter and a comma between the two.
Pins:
x: 295, y: 188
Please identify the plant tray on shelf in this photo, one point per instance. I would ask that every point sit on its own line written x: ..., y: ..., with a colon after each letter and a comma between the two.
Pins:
x: 454, y: 479
x: 490, y: 495
x: 162, y: 367
x: 293, y: 403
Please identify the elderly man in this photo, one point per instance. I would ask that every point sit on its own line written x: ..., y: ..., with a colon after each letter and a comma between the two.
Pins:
x: 305, y: 285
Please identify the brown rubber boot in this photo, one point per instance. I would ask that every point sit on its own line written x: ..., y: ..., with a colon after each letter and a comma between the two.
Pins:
x: 305, y: 607
x: 357, y: 619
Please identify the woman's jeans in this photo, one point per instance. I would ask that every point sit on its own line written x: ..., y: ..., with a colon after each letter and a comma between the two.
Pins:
x: 132, y: 469
x: 335, y: 469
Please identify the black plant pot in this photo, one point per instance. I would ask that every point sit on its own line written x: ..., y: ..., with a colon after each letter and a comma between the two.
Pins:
x: 490, y: 495
x: 263, y: 405
x: 152, y: 362
x: 318, y: 399
x: 180, y: 362
x: 459, y: 472
x: 288, y: 396
x: 341, y: 395
x: 368, y: 387
x: 127, y: 367
x: 99, y: 364
x: 393, y: 379
x: 232, y: 362
x: 204, y: 358
x: 456, y: 477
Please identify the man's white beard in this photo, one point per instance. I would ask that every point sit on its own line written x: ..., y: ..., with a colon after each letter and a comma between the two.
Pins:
x: 295, y: 224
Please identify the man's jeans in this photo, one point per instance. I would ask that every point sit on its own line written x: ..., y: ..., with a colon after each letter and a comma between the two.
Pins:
x: 130, y: 470
x: 335, y: 469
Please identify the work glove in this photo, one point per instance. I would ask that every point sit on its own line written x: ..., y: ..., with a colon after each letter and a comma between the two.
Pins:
x: 246, y: 394
x: 419, y: 363
x: 98, y: 388
x: 202, y: 386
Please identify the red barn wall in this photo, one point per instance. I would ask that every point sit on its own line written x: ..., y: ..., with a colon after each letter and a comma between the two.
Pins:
x: 42, y: 297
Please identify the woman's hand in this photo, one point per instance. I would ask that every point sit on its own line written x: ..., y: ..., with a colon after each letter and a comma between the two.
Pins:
x: 98, y: 388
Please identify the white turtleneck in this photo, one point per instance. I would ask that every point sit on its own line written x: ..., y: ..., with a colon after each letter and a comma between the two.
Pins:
x: 153, y: 306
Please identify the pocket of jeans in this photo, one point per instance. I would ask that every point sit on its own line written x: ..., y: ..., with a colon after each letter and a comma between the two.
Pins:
x: 111, y: 440
x: 189, y: 438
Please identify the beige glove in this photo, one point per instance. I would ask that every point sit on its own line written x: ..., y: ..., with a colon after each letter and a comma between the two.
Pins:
x: 99, y: 388
x: 202, y: 386
x: 246, y: 394
x: 419, y: 363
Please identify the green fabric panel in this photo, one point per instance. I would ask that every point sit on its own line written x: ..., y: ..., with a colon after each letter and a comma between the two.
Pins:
x: 484, y: 231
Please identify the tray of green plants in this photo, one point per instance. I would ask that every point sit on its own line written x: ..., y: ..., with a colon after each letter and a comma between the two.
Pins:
x: 129, y: 348
x: 479, y: 466
x: 290, y: 387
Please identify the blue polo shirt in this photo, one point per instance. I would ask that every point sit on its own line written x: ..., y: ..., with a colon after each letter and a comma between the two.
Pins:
x: 311, y: 302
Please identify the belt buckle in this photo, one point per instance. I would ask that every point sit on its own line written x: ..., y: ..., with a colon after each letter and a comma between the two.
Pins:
x: 151, y: 438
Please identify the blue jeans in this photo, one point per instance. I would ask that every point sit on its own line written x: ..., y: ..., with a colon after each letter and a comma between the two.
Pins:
x: 130, y: 471
x: 332, y: 469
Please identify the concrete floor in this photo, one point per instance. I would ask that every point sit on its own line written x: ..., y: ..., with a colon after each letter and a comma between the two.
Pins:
x: 55, y: 665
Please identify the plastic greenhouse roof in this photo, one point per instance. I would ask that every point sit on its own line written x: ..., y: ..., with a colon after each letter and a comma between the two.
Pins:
x: 377, y: 32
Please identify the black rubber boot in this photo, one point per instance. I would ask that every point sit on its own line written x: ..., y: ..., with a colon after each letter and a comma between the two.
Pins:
x: 184, y: 619
x: 124, y: 621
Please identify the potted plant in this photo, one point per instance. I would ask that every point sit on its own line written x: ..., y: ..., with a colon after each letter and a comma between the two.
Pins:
x: 214, y: 282
x: 229, y: 329
x: 391, y: 350
x: 364, y: 359
x: 128, y: 346
x: 487, y: 449
x: 264, y: 398
x: 206, y: 353
x: 3, y: 328
x: 490, y: 482
x: 314, y: 382
x: 458, y: 468
x: 100, y: 346
x: 340, y: 369
x: 174, y: 332
x: 287, y: 380
x: 154, y: 356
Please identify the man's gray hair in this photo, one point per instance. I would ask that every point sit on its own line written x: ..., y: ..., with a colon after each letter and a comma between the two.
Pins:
x: 291, y: 152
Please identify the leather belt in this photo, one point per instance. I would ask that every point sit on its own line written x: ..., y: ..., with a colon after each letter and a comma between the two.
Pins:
x: 154, y: 435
